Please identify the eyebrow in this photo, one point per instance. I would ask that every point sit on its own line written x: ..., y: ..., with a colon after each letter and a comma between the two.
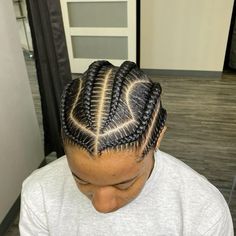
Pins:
x: 123, y: 182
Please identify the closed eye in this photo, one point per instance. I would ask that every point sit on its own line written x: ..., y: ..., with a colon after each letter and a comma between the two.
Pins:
x: 125, y: 185
x: 119, y: 186
x: 80, y: 182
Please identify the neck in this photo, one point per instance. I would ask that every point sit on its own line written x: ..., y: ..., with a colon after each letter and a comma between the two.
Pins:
x: 153, y: 163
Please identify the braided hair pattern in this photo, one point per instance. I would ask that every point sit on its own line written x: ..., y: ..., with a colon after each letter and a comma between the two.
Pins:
x: 112, y: 108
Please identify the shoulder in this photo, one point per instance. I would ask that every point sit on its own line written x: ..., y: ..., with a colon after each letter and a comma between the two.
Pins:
x: 171, y: 162
x: 191, y: 181
x: 205, y: 201
x: 183, y: 173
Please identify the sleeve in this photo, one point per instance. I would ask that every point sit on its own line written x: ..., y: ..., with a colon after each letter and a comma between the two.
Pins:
x: 33, y: 220
x: 217, y: 220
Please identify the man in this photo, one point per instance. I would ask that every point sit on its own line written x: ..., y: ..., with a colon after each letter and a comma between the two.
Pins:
x: 114, y: 180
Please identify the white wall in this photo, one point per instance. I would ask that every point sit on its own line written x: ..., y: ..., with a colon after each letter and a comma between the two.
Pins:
x: 184, y: 34
x: 20, y: 143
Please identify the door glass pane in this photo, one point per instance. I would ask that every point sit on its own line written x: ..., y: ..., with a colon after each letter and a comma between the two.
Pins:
x: 96, y: 47
x: 97, y: 14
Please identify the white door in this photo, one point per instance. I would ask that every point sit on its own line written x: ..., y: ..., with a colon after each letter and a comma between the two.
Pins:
x: 99, y: 29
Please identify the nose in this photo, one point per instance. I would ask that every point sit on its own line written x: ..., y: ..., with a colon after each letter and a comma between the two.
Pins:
x: 104, y: 200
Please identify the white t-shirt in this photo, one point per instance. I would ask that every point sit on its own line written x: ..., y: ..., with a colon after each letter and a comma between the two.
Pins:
x: 175, y: 200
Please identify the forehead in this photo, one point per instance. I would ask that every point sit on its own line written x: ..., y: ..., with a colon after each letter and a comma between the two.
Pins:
x: 110, y: 164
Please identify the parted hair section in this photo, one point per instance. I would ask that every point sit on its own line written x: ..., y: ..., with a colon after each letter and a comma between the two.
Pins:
x: 110, y: 107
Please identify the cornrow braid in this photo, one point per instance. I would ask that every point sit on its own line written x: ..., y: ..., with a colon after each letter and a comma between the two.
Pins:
x: 66, y: 95
x: 67, y: 126
x: 158, y: 127
x: 91, y: 74
x: 120, y: 76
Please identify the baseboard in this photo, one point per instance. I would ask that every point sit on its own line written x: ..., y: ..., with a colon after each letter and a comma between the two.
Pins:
x: 184, y: 73
x: 12, y: 213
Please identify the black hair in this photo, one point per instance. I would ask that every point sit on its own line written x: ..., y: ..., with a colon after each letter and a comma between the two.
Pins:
x: 110, y: 107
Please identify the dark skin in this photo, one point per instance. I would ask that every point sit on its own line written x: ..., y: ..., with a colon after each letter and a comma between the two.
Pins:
x: 113, y: 179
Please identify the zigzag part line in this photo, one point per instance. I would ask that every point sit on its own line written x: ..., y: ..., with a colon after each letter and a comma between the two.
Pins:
x: 132, y: 120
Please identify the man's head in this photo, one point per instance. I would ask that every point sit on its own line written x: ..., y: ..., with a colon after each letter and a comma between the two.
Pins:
x: 112, y: 121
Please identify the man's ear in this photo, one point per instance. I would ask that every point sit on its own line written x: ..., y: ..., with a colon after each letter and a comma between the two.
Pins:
x: 160, y: 138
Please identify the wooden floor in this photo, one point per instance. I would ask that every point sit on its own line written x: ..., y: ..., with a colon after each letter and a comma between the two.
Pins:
x: 201, y: 126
